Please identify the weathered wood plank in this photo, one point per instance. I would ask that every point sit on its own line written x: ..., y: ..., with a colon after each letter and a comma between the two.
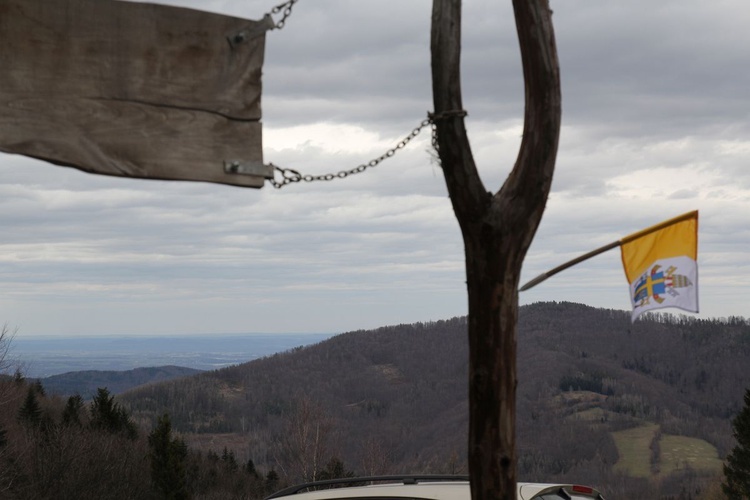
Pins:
x: 131, y: 89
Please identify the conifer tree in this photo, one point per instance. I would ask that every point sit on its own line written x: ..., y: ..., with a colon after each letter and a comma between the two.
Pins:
x: 39, y: 388
x: 72, y: 412
x: 230, y: 461
x: 334, y: 469
x: 30, y: 412
x: 110, y: 416
x: 272, y: 481
x: 250, y: 469
x: 168, y: 457
x: 737, y: 465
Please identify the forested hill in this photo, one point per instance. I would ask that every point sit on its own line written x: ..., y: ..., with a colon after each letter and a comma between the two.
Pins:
x: 87, y: 382
x: 395, y: 399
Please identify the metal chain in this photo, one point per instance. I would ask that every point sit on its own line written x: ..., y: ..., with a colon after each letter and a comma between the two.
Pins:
x: 286, y: 7
x: 289, y: 175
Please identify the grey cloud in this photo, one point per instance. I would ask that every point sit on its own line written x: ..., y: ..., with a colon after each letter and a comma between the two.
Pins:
x: 647, y: 89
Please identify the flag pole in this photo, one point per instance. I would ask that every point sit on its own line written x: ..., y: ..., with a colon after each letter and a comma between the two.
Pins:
x: 609, y: 246
x: 568, y: 264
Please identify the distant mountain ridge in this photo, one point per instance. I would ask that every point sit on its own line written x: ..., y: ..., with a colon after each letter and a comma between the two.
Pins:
x: 585, y: 374
x: 85, y: 383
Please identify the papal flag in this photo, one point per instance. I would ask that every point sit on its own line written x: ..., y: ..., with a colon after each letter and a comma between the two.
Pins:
x: 661, y: 265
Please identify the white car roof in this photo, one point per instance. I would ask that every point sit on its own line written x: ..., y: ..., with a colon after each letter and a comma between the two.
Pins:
x: 430, y: 490
x: 454, y: 490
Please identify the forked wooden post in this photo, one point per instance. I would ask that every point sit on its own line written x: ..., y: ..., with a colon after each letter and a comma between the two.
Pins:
x: 497, y: 228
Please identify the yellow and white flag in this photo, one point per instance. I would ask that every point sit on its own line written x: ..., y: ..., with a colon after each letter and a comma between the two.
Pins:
x: 661, y: 265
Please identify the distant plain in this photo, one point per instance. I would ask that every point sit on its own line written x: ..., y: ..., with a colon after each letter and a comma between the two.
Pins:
x: 47, y: 356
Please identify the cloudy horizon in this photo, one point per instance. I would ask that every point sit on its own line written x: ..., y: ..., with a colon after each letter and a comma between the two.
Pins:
x: 656, y: 117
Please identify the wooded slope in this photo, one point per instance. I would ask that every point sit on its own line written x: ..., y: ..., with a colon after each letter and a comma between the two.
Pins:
x: 395, y: 399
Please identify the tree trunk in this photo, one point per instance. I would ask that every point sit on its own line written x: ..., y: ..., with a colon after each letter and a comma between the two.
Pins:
x: 497, y: 228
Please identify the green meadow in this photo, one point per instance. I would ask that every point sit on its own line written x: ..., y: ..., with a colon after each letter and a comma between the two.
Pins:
x: 677, y: 453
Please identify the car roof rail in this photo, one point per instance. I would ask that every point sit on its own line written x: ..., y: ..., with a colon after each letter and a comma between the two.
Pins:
x: 404, y: 479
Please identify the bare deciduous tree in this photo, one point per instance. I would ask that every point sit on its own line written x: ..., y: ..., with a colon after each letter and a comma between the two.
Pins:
x: 6, y: 338
x: 303, y: 447
x: 376, y: 457
x: 7, y: 364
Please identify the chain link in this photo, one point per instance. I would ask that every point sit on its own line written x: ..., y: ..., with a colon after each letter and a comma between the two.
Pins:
x: 286, y: 7
x: 289, y: 175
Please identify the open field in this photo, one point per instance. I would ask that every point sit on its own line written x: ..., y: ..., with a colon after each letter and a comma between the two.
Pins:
x: 633, y: 447
x: 680, y: 452
x: 677, y: 453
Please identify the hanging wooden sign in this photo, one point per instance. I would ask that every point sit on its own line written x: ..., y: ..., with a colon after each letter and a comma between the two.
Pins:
x: 133, y: 89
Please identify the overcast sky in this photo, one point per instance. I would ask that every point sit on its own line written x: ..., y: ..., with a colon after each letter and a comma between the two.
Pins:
x: 656, y: 122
